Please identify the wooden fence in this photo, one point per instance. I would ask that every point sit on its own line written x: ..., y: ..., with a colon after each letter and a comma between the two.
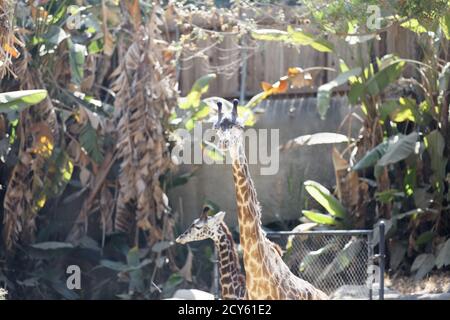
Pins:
x: 268, y: 61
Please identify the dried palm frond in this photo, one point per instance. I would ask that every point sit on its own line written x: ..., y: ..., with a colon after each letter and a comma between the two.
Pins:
x: 38, y: 133
x: 146, y: 88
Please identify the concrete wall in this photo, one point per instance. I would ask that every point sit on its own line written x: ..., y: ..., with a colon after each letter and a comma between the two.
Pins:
x: 280, y: 195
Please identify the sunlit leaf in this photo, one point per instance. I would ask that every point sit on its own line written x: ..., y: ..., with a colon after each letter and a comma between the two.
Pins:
x: 324, y: 197
x: 444, y: 23
x: 293, y: 36
x: 256, y: 99
x: 270, y: 35
x: 298, y: 36
x: 19, y: 100
x: 319, y: 217
x: 324, y: 91
x: 77, y: 56
x: 399, y: 148
x: 59, y: 173
x: 315, y: 139
x: 414, y: 26
x: 247, y: 115
x: 200, y: 87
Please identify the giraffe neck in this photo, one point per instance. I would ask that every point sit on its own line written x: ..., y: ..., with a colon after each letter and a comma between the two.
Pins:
x: 249, y: 212
x: 231, y: 279
x: 266, y: 274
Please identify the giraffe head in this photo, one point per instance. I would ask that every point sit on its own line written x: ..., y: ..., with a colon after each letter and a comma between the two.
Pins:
x: 205, y: 227
x: 229, y: 128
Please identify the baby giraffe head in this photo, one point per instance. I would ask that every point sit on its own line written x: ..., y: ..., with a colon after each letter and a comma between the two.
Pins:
x: 205, y: 227
x: 229, y: 128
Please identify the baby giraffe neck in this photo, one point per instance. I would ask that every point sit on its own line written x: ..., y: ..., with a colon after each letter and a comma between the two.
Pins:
x: 231, y: 278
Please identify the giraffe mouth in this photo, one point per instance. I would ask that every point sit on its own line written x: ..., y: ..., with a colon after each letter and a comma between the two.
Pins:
x: 180, y: 240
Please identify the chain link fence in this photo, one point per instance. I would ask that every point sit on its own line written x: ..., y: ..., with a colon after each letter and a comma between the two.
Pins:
x: 342, y: 263
x: 339, y: 262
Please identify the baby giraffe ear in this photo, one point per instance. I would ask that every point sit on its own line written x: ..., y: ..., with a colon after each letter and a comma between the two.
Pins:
x: 220, y: 215
x: 204, y: 215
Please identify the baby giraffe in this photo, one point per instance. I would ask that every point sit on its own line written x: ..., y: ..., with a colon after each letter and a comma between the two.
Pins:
x: 232, y: 281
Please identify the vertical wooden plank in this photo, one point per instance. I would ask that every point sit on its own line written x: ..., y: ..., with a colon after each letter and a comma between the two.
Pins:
x: 403, y: 43
x: 186, y: 74
x: 228, y: 58
x: 273, y: 61
x: 255, y: 69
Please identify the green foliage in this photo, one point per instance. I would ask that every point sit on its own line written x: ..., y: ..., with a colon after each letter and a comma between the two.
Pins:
x: 343, y: 258
x: 19, y: 100
x: 397, y: 148
x: 324, y: 91
x: 320, y: 218
x: 91, y: 142
x: 200, y: 87
x: 404, y: 133
x: 77, y: 57
x: 337, y: 215
x: 435, y: 144
x: 295, y: 37
x: 323, y: 196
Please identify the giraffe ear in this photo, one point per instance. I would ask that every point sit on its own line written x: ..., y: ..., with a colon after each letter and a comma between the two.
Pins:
x: 220, y: 215
x: 204, y: 215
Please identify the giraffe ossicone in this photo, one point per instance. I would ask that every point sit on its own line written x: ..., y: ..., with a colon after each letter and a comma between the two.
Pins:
x: 232, y: 280
x: 267, y: 275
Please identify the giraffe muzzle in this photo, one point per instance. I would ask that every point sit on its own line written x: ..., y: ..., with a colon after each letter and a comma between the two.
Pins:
x: 180, y: 239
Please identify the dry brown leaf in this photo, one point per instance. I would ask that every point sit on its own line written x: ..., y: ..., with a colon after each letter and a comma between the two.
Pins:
x: 11, y: 50
x: 347, y: 182
x: 299, y: 78
x: 135, y: 13
x: 108, y: 41
x: 278, y: 87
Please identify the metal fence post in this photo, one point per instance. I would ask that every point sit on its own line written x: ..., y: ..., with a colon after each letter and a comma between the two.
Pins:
x: 216, y: 275
x: 382, y: 259
x: 370, y: 261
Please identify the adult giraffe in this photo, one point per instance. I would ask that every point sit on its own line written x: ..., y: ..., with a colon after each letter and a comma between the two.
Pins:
x: 267, y: 276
